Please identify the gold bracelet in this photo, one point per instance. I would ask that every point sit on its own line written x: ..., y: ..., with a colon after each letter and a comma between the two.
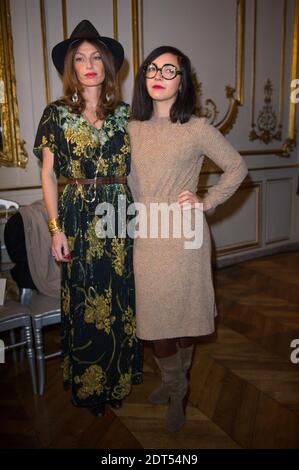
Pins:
x: 53, y: 223
x: 57, y: 230
x: 54, y: 226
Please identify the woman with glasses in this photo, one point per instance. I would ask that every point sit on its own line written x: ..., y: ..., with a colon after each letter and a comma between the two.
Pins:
x: 174, y: 289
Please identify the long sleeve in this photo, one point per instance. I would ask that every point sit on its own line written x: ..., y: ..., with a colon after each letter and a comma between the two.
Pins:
x: 220, y: 151
x: 132, y: 179
x: 132, y: 186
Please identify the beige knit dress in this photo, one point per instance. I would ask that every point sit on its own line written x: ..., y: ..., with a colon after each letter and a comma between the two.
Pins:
x: 174, y: 287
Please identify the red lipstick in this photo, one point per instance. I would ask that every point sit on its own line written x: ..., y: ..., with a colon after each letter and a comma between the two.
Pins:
x: 90, y: 74
x: 159, y: 87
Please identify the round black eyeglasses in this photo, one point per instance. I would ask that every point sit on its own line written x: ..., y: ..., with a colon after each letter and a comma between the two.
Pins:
x: 168, y: 71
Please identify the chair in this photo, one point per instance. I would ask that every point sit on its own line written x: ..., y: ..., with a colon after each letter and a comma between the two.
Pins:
x: 15, y: 315
x: 28, y: 239
x: 7, y: 204
x: 45, y: 311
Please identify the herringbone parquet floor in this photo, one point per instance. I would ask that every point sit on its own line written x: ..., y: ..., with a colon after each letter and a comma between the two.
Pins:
x: 244, y: 389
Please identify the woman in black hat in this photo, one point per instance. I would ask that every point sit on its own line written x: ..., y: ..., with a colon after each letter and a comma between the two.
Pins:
x: 83, y: 137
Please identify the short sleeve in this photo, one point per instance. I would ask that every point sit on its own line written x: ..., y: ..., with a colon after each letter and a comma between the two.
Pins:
x: 47, y: 136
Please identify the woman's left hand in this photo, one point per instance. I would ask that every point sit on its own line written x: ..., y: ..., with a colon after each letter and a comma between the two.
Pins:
x: 190, y: 199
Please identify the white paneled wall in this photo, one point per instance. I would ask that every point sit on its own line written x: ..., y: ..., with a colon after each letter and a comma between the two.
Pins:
x: 227, y: 218
x: 263, y: 215
x: 279, y: 209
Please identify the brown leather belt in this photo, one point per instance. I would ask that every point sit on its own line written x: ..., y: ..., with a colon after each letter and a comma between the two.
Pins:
x: 99, y: 180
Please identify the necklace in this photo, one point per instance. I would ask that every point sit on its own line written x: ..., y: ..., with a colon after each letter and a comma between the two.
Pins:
x: 93, y: 186
x: 99, y: 163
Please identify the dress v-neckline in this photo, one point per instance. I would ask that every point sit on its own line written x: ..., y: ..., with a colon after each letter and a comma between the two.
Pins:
x: 95, y: 128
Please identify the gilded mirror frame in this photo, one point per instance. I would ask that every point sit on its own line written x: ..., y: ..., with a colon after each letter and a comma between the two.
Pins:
x: 12, y: 150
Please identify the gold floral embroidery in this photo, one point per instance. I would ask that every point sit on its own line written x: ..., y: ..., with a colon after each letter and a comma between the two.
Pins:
x: 102, y: 167
x: 65, y: 366
x: 123, y: 388
x: 129, y: 325
x: 81, y: 137
x: 120, y: 161
x: 65, y: 299
x: 98, y: 310
x: 118, y: 255
x: 92, y: 380
x: 126, y: 146
x: 48, y: 143
x: 71, y: 243
x: 76, y: 171
x: 96, y: 245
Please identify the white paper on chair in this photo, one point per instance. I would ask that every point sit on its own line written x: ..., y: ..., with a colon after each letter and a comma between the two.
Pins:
x: 2, y: 290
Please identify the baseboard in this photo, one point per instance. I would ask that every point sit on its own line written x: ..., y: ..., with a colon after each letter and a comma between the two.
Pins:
x: 223, y: 262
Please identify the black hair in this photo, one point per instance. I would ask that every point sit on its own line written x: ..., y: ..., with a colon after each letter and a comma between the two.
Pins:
x: 185, y: 104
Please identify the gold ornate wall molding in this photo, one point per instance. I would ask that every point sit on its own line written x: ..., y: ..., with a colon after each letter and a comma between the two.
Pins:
x: 267, y: 135
x: 135, y: 35
x: 234, y: 94
x: 45, y: 49
x: 65, y: 22
x: 12, y: 149
x: 64, y: 18
x: 290, y: 141
x: 115, y: 19
x: 267, y: 127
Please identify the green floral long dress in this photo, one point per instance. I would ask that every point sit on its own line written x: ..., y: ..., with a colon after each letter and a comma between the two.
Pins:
x: 101, y: 356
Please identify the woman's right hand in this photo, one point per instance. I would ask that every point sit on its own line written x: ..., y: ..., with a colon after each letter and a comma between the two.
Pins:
x: 60, y: 250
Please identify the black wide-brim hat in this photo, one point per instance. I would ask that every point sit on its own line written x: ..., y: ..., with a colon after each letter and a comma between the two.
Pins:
x: 85, y: 30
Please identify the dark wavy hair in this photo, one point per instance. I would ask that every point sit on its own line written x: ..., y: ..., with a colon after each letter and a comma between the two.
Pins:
x: 109, y: 86
x: 185, y: 104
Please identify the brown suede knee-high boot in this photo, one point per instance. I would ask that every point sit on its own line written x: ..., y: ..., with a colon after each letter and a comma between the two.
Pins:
x: 186, y: 355
x: 160, y: 396
x: 175, y: 379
